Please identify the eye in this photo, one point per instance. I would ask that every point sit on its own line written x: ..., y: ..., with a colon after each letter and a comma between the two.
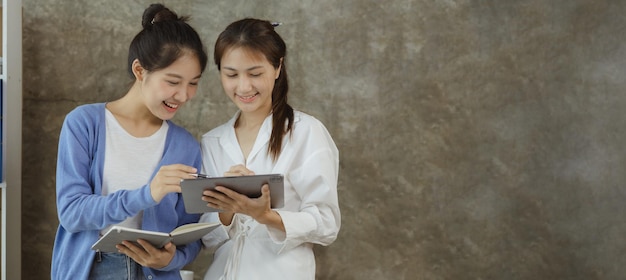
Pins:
x: 173, y: 82
x: 256, y: 74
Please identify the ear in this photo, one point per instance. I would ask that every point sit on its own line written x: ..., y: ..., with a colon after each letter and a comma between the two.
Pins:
x: 278, y: 69
x: 138, y: 70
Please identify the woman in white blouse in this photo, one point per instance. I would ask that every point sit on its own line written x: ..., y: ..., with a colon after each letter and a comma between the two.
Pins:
x: 267, y: 136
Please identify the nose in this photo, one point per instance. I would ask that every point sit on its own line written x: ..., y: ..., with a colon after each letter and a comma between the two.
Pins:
x: 183, y: 94
x: 244, y: 84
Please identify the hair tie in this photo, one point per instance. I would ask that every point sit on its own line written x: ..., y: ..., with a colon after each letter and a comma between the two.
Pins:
x: 276, y: 23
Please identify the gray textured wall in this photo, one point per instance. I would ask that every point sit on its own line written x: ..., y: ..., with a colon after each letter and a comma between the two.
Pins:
x: 478, y: 139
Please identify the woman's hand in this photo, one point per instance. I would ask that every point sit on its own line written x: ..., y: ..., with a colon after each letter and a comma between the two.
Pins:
x: 148, y: 255
x: 226, y: 217
x: 167, y: 180
x: 238, y: 170
x: 232, y: 202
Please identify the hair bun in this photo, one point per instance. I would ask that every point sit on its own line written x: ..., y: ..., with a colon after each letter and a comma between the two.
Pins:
x: 158, y: 13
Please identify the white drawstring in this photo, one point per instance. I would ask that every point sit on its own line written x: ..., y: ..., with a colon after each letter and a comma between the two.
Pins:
x: 232, y: 264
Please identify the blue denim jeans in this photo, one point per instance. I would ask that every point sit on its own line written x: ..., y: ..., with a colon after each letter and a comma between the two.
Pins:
x: 115, y: 266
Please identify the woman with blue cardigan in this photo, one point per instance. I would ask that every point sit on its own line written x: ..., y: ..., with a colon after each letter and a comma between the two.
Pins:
x: 121, y: 162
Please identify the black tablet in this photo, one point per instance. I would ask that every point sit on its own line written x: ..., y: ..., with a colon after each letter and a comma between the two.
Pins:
x: 247, y: 185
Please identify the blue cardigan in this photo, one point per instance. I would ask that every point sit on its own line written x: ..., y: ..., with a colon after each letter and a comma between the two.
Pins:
x: 83, y: 212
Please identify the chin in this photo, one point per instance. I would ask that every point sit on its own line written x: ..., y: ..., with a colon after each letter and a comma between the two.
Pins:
x: 166, y: 116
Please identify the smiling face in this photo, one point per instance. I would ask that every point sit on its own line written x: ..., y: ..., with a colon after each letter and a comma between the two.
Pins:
x: 248, y: 80
x: 164, y: 91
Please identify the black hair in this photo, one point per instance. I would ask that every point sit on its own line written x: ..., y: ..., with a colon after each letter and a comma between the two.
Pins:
x: 165, y: 37
x: 259, y: 36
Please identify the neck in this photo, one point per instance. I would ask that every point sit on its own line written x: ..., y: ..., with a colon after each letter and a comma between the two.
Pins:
x: 251, y: 119
x: 131, y: 108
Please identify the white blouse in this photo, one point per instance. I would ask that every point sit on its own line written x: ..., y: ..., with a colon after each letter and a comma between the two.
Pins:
x: 309, y: 160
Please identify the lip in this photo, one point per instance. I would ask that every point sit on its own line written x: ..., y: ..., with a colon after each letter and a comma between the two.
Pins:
x: 247, y: 98
x: 171, y: 107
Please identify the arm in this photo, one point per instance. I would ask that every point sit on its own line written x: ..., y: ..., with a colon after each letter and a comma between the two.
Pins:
x: 313, y: 176
x: 318, y: 219
x: 186, y: 149
x: 79, y: 175
x: 211, y: 151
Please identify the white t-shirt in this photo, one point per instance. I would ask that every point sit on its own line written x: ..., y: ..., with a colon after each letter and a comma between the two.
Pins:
x: 124, y: 153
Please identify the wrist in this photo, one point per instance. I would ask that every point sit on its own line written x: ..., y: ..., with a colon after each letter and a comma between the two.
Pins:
x: 271, y: 218
x: 226, y: 218
x: 156, y: 195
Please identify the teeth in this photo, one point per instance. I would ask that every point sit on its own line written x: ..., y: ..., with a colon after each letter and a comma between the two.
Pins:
x: 247, y: 97
x: 174, y: 106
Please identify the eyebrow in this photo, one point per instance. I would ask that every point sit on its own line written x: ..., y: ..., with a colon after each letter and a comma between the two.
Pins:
x: 180, y: 77
x: 251, y: 68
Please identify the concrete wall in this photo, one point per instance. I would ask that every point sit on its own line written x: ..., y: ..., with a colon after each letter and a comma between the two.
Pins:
x: 478, y: 139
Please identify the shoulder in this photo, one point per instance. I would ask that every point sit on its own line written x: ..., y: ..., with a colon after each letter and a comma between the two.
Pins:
x: 214, y: 135
x: 181, y: 146
x: 305, y: 122
x: 310, y: 133
x: 309, y: 128
x: 222, y: 129
x: 179, y: 133
x: 217, y: 131
x: 87, y: 114
x: 94, y: 110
